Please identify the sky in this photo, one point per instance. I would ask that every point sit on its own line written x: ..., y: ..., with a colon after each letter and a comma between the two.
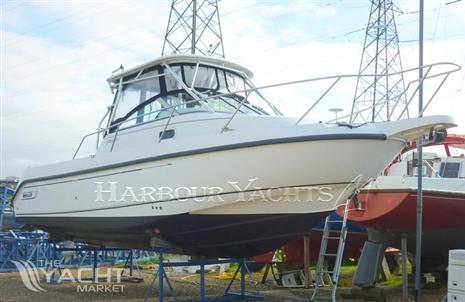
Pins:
x: 56, y: 56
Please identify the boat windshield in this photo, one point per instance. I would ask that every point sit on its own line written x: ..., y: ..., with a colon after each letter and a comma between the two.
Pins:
x: 188, y: 88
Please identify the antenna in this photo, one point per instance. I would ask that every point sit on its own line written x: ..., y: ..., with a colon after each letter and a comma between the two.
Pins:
x: 194, y: 28
x: 336, y: 111
x: 385, y: 93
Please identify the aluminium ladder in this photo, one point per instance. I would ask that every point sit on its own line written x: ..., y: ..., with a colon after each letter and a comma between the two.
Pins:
x: 322, y: 271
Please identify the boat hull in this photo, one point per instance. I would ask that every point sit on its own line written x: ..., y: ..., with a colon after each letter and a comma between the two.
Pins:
x: 216, y: 182
x: 393, y: 214
x: 285, y: 193
x: 205, y: 235
x: 397, y: 210
x: 288, y: 171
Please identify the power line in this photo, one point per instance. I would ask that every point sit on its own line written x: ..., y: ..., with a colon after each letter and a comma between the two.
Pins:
x: 79, y: 59
x: 319, y: 38
x: 435, y: 38
x: 37, y: 28
x: 97, y: 39
x: 52, y: 25
x: 436, y: 24
x: 453, y: 2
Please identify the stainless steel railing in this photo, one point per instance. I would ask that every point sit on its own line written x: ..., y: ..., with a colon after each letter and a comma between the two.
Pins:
x: 336, y: 79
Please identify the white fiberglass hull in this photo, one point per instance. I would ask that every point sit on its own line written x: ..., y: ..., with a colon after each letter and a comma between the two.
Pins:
x: 242, y: 181
x: 209, y: 194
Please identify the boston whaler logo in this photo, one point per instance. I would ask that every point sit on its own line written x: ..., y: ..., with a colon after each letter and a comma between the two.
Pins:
x: 29, y: 275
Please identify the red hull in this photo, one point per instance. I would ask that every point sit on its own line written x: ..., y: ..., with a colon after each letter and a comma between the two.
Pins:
x: 397, y: 210
x: 394, y: 213
x: 389, y: 214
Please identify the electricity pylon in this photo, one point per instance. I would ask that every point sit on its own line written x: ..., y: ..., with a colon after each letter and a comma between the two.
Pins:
x: 380, y: 98
x: 194, y: 28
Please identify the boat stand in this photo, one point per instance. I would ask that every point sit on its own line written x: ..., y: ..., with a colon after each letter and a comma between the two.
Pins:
x: 95, y: 256
x: 22, y: 246
x: 161, y: 277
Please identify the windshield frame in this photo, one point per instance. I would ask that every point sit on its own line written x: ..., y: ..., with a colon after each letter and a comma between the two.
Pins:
x: 226, y: 93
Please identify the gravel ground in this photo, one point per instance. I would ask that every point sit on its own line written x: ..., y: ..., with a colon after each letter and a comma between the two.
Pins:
x: 185, y: 285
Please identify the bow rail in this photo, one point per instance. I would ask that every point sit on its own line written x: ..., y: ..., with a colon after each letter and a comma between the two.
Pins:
x: 431, y: 73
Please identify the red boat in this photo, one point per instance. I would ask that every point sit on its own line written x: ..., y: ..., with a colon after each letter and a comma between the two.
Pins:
x: 387, y: 205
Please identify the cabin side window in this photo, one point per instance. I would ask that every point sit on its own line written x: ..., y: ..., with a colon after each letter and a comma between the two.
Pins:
x: 134, y: 93
x: 170, y: 80
x: 234, y: 83
x: 449, y: 170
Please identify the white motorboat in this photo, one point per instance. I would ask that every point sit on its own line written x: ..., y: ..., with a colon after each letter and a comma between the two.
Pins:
x: 188, y: 161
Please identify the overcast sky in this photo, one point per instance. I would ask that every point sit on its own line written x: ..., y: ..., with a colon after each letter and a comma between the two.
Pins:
x: 56, y: 56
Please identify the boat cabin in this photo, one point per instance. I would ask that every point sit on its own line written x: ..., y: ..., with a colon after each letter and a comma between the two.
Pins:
x: 182, y: 84
x: 450, y: 165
